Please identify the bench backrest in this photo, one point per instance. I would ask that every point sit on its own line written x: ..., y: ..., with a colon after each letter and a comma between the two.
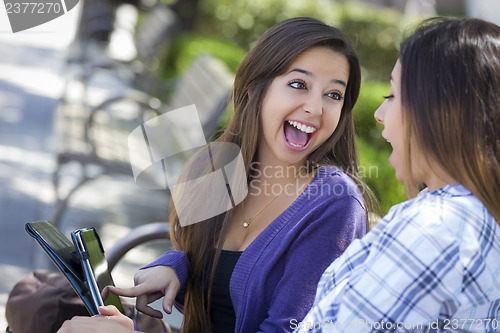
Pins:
x: 155, y: 33
x: 207, y: 84
x: 172, y: 137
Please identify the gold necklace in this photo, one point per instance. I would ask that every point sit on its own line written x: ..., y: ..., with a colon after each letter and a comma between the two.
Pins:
x: 246, y: 223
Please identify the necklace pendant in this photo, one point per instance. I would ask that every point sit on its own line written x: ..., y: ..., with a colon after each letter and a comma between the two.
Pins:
x: 245, y: 224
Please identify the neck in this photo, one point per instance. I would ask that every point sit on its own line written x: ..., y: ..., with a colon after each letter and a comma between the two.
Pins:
x: 436, y: 178
x: 278, y: 173
x: 270, y: 168
x: 438, y: 182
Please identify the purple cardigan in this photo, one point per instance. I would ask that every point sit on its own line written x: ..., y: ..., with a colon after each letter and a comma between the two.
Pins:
x: 274, y: 282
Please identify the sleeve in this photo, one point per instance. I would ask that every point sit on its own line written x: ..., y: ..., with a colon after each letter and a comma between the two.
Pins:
x: 179, y: 262
x: 137, y: 329
x: 404, y: 280
x: 334, y: 224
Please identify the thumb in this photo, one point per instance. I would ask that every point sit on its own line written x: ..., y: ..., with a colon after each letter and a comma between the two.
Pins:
x: 109, y: 310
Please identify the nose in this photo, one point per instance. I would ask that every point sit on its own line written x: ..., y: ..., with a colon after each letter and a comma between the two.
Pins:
x: 314, y: 104
x: 380, y: 113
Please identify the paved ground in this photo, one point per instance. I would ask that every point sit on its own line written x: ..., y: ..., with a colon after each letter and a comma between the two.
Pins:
x: 31, y: 81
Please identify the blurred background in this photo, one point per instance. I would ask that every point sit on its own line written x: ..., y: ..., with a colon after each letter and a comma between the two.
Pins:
x: 72, y: 89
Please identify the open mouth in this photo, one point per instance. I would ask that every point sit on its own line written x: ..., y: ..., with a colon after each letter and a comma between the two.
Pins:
x: 297, y: 134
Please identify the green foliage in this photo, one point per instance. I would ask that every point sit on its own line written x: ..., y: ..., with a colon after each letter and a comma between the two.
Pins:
x: 370, y: 98
x: 244, y: 21
x: 379, y: 175
x: 186, y: 46
x: 374, y: 31
x: 376, y: 34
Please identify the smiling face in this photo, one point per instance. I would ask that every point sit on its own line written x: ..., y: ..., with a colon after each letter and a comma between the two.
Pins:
x: 302, y: 107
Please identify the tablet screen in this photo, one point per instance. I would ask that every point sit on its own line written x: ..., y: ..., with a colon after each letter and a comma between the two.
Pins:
x: 99, y: 265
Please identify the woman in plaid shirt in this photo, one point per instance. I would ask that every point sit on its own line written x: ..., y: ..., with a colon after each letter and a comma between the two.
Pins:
x: 433, y: 263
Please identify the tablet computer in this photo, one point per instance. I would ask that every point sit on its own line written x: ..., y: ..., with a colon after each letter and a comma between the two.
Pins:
x: 82, y: 262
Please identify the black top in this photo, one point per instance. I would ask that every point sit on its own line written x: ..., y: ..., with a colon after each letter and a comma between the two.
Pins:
x: 221, y: 310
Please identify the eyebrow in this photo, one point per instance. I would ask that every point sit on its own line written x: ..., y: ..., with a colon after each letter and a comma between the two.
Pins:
x: 303, y: 71
x: 391, y: 78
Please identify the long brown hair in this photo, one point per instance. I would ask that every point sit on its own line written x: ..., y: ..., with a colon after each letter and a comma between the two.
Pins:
x: 271, y: 56
x: 450, y: 90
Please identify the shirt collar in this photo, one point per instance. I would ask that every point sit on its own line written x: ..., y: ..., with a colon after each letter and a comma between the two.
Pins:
x: 450, y: 190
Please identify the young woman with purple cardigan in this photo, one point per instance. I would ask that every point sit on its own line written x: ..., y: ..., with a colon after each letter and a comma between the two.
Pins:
x: 256, y: 267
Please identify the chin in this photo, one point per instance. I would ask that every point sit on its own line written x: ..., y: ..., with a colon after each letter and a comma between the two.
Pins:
x: 400, y: 179
x: 399, y: 174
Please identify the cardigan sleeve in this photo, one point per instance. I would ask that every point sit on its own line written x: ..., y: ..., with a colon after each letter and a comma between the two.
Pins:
x: 179, y: 262
x: 336, y: 222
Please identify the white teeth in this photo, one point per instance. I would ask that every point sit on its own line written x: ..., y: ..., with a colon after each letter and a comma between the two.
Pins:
x: 293, y: 144
x: 304, y: 128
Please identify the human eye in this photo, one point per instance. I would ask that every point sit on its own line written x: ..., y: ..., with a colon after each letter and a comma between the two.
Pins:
x: 391, y: 94
x: 297, y: 84
x: 335, y: 95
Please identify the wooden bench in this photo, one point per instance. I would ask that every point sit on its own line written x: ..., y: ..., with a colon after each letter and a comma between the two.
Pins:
x: 96, y: 140
x: 137, y: 236
x: 151, y: 38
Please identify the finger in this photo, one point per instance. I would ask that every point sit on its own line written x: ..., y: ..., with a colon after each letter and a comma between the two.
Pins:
x: 141, y: 305
x: 129, y: 292
x: 169, y: 299
x: 105, y: 292
x: 153, y: 297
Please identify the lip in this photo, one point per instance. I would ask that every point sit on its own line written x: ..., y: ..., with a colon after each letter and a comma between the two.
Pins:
x: 311, y: 135
x: 386, y: 139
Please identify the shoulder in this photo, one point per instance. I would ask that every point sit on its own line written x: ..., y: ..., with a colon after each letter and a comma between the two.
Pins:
x: 447, y: 208
x: 331, y: 184
x: 332, y: 204
x: 451, y: 217
x: 445, y: 237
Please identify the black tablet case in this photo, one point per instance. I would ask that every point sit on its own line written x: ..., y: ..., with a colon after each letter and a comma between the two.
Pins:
x: 65, y: 256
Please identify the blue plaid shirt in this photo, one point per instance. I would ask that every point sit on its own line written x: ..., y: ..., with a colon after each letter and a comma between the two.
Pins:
x: 432, y: 264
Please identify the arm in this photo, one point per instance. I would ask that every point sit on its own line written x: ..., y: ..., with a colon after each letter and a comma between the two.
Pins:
x: 179, y: 262
x: 162, y: 278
